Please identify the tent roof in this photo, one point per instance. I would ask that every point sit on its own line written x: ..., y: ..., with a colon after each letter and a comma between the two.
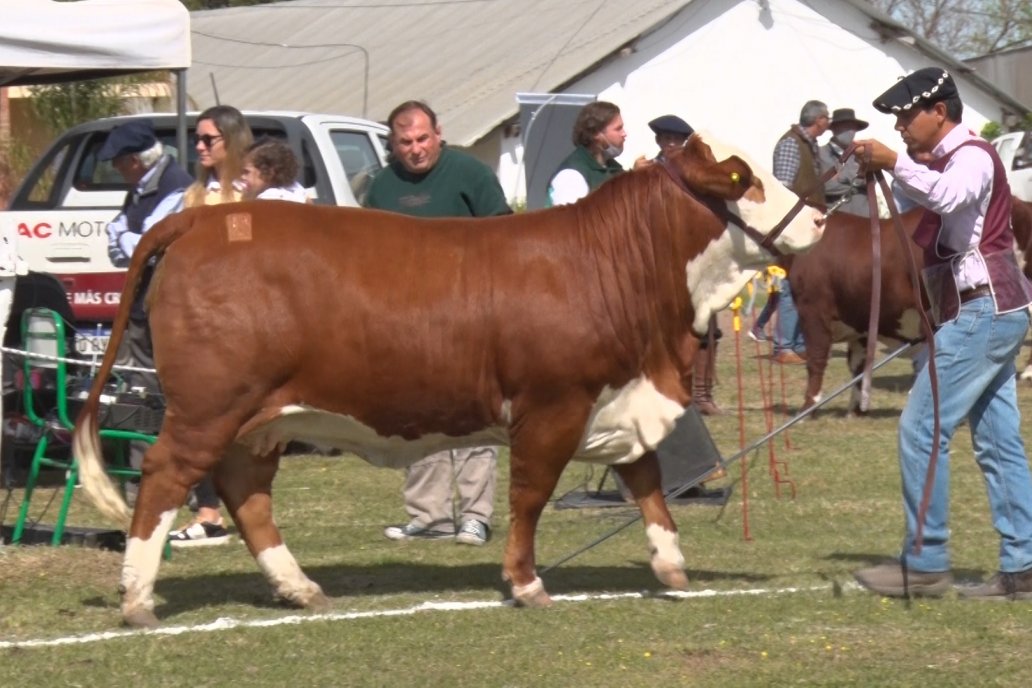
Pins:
x: 42, y: 41
x: 466, y: 58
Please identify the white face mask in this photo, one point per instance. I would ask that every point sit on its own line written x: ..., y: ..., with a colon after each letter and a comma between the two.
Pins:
x: 845, y: 138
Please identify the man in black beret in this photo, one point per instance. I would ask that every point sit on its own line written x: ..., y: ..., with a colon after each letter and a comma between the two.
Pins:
x: 671, y: 132
x: 979, y: 298
x: 156, y: 187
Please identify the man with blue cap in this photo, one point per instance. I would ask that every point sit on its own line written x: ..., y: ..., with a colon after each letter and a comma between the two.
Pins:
x: 979, y: 300
x: 137, y: 155
x: 156, y: 188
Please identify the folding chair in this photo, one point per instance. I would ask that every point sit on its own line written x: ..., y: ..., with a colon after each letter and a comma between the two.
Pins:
x: 43, y: 332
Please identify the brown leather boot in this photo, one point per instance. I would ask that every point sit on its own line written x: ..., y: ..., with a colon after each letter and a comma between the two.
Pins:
x: 702, y: 381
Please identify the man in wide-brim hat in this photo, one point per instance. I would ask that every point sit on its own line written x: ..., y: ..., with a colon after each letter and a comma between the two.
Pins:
x: 848, y: 184
x: 979, y: 298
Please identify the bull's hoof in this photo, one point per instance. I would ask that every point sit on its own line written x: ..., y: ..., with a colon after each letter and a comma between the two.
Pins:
x: 310, y: 598
x: 531, y: 595
x: 318, y: 602
x: 139, y: 618
x: 670, y: 575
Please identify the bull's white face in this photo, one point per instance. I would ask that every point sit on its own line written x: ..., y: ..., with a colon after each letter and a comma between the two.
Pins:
x: 718, y: 275
x: 804, y: 230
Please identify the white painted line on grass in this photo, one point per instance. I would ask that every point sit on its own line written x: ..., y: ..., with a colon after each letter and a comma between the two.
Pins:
x: 226, y: 623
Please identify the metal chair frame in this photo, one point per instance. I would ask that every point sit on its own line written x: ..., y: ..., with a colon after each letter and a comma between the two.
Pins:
x: 51, y: 338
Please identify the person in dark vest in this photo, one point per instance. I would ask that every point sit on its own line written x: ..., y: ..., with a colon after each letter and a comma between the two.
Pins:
x: 598, y: 138
x: 427, y: 178
x: 156, y: 188
x: 797, y: 166
x: 979, y: 300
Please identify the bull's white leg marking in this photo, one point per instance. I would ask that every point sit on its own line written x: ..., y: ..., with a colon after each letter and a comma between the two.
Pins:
x: 532, y: 594
x: 287, y: 579
x: 140, y: 568
x: 667, y: 560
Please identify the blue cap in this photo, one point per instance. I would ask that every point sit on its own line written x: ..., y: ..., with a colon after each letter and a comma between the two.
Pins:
x: 671, y: 124
x: 131, y: 137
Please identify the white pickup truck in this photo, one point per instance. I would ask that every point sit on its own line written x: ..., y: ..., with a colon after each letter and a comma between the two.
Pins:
x: 57, y: 219
x: 1015, y: 150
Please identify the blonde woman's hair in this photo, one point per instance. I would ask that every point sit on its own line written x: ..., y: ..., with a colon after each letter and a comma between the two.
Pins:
x: 237, y: 138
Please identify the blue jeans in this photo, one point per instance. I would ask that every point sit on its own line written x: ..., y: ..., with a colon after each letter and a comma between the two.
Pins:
x: 787, y: 334
x: 974, y: 357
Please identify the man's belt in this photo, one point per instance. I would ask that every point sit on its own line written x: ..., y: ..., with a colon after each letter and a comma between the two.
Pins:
x: 975, y: 293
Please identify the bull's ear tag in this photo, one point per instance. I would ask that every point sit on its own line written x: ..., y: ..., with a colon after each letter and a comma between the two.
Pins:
x: 238, y: 227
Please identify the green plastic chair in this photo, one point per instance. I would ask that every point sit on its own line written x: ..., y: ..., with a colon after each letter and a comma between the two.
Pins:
x: 43, y: 332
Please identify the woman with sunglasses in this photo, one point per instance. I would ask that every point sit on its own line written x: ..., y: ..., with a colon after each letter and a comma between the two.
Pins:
x: 222, y: 138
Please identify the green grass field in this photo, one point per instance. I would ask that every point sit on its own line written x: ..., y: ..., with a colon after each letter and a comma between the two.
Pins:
x: 802, y: 623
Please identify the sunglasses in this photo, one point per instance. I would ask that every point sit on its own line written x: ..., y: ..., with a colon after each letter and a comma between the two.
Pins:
x: 206, y: 139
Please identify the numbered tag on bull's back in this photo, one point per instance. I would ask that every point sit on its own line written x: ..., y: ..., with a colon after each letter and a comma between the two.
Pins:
x: 238, y: 227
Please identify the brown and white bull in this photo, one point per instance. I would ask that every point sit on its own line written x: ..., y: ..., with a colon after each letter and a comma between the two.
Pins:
x: 556, y: 332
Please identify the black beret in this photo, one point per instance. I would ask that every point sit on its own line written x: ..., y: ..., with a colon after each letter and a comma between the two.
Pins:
x: 132, y: 137
x: 671, y: 124
x: 929, y: 85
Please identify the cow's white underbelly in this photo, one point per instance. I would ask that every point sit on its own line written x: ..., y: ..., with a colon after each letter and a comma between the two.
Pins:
x: 623, y: 425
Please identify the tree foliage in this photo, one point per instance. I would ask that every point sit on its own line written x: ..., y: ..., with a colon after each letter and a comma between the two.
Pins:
x: 60, y: 106
x: 966, y: 28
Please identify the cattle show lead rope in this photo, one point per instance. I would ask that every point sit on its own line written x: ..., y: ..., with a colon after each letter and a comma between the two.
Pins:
x: 71, y: 361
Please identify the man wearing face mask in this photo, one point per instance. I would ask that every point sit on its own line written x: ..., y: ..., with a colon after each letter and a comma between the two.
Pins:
x: 844, y: 126
x: 599, y: 136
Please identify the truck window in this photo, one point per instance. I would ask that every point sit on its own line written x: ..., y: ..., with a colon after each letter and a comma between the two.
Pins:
x: 1007, y: 146
x: 359, y: 160
x: 1023, y: 158
x: 92, y: 174
x: 43, y: 187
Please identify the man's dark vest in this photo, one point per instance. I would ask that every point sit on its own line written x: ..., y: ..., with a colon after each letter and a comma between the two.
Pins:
x: 168, y: 178
x: 1010, y: 289
x: 581, y: 160
x: 806, y: 176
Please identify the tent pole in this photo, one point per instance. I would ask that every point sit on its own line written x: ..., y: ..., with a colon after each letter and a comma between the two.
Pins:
x: 181, y: 116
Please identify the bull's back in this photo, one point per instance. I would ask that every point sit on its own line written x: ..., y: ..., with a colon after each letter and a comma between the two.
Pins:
x: 340, y: 305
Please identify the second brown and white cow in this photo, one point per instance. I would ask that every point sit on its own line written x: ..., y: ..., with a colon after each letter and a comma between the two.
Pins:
x: 557, y: 332
x: 831, y: 285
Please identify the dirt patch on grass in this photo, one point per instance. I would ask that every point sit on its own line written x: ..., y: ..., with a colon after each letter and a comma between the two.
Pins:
x: 29, y: 565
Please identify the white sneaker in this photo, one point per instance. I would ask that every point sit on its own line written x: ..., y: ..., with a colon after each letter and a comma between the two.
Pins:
x: 473, y: 532
x: 199, y: 534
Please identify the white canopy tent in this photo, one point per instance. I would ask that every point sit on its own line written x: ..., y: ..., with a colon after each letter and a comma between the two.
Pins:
x: 42, y: 41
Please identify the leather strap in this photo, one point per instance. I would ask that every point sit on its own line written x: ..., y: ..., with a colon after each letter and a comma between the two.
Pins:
x: 929, y: 335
